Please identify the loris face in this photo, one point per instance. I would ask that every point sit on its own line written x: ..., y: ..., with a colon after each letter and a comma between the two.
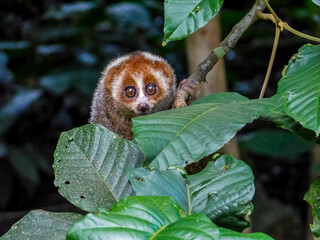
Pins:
x: 141, y: 83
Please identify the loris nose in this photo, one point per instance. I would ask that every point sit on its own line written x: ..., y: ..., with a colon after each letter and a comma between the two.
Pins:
x: 142, y: 107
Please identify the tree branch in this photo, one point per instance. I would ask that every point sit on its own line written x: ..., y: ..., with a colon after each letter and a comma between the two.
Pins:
x: 198, y: 77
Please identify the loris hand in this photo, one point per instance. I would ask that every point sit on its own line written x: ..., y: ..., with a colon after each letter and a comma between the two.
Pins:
x: 193, y: 88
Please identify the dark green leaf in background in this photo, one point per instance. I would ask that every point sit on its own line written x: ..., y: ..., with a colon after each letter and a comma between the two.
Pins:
x: 82, y: 80
x: 17, y: 105
x: 41, y: 225
x: 312, y: 197
x: 274, y: 143
x: 185, y: 17
x: 89, y: 165
x: 300, y: 87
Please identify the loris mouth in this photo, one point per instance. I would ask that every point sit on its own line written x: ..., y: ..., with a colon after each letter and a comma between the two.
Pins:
x: 140, y: 113
x: 143, y: 109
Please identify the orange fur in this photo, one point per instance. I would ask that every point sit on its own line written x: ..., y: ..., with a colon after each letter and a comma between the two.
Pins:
x: 112, y: 108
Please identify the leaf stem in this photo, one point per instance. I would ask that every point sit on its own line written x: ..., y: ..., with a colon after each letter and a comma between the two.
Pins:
x: 273, y: 54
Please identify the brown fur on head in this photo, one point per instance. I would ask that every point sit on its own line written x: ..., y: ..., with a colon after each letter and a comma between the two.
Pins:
x: 136, y: 84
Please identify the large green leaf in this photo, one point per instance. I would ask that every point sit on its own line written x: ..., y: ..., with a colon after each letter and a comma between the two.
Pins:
x: 185, y: 17
x: 182, y: 136
x: 144, y: 218
x: 312, y: 197
x: 300, y: 87
x: 41, y: 225
x: 223, y: 190
x: 147, y: 182
x: 89, y: 165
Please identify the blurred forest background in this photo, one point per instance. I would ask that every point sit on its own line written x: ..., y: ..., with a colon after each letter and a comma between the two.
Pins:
x: 52, y: 54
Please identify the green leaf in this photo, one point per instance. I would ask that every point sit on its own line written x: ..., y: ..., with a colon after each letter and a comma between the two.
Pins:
x: 300, y: 87
x: 41, y: 225
x: 185, y: 17
x: 277, y: 115
x: 223, y: 191
x: 89, y: 164
x: 195, y: 226
x: 226, y: 234
x: 312, y: 197
x: 147, y: 182
x: 274, y: 143
x: 144, y: 218
x: 182, y: 136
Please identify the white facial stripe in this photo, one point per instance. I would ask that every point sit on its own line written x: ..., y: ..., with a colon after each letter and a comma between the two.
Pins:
x: 138, y: 78
x: 117, y: 83
x: 161, y: 79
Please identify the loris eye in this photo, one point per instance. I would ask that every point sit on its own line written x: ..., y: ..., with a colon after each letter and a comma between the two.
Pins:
x: 151, y: 89
x: 130, y: 91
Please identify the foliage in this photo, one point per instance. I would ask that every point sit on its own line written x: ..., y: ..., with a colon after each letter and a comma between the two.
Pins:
x: 168, y: 146
x: 275, y: 143
x: 151, y: 218
x: 300, y: 86
x: 41, y: 225
x: 312, y: 197
x: 90, y: 161
x: 223, y: 190
x: 51, y: 57
x: 89, y: 167
x: 183, y: 19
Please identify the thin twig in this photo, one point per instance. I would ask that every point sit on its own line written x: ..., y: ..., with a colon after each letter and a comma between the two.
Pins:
x: 226, y: 45
x: 273, y: 54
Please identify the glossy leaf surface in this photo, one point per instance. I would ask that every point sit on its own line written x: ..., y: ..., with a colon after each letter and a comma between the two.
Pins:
x: 181, y: 136
x: 89, y: 166
x: 185, y: 17
x: 223, y: 190
x: 300, y: 87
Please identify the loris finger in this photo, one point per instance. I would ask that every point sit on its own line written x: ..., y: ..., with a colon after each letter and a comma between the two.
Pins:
x: 193, y: 88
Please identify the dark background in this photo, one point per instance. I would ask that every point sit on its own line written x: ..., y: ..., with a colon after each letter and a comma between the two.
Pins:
x: 51, y: 56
